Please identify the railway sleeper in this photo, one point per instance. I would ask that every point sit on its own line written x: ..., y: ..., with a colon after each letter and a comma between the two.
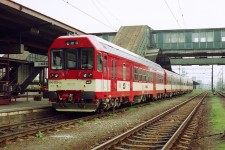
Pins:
x: 126, y: 145
x: 157, y: 137
x: 164, y: 132
x: 184, y: 142
x: 182, y: 147
x: 147, y: 141
x: 185, y: 139
x: 150, y: 138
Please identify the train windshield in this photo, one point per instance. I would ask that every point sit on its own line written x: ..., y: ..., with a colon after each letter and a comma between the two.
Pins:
x: 76, y: 59
x: 57, y: 59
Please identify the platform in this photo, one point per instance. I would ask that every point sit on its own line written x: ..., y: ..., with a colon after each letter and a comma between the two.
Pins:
x: 24, y: 109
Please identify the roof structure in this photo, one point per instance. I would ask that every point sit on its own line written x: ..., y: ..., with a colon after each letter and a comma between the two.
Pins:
x: 22, y: 28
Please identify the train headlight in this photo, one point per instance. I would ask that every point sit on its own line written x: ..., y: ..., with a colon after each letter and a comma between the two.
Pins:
x: 56, y: 75
x: 51, y: 75
x: 90, y: 75
x: 85, y: 75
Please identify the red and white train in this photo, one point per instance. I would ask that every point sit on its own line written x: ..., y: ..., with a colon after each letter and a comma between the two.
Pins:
x: 88, y: 74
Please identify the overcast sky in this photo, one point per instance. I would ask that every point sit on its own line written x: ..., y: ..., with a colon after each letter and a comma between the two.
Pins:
x: 93, y: 16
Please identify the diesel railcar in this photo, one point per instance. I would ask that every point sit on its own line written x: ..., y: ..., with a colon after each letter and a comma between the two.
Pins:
x: 88, y: 74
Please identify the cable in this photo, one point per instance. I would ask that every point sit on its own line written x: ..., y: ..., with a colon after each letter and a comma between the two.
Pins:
x: 66, y: 1
x: 103, y: 15
x: 110, y: 12
x: 181, y: 13
x: 172, y: 13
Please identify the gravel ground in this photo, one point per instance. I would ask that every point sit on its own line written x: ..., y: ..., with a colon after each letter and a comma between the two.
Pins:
x: 86, y: 135
x: 205, y: 139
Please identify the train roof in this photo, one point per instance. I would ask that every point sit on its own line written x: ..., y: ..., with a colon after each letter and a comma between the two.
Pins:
x: 117, y: 50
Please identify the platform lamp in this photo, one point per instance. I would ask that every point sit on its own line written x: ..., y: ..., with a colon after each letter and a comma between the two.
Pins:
x: 222, y: 77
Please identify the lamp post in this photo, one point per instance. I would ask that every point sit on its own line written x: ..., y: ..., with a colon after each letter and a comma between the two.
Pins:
x: 212, y: 79
x: 222, y: 77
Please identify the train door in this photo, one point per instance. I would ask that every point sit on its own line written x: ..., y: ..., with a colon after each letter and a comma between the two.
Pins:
x: 154, y: 85
x: 131, y: 77
x: 105, y: 74
x: 154, y: 81
x: 130, y: 73
x: 113, y: 77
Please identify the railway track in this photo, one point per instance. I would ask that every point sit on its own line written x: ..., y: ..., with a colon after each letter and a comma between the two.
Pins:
x: 221, y: 93
x: 162, y: 131
x: 30, y: 128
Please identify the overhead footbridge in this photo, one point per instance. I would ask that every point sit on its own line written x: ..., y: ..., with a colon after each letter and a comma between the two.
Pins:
x: 175, y: 47
x: 138, y: 40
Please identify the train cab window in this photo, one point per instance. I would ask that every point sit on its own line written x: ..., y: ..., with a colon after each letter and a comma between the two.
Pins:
x: 140, y: 74
x: 99, y: 67
x: 71, y: 59
x: 105, y: 63
x: 57, y: 59
x: 136, y: 73
x: 87, y: 56
x: 124, y: 71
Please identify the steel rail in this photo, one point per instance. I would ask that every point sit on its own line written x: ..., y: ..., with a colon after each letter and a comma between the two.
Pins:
x: 25, y: 123
x: 175, y: 136
x: 132, y: 131
x: 31, y: 130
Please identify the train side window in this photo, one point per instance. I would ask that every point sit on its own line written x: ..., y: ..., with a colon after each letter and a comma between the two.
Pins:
x: 113, y: 69
x: 124, y: 71
x: 150, y: 76
x: 153, y: 77
x: 140, y: 74
x: 105, y: 63
x: 99, y: 62
x: 135, y: 73
x: 131, y: 73
x: 159, y: 78
x: 144, y: 75
x: 147, y: 76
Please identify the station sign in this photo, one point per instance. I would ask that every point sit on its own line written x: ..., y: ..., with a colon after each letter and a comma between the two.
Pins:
x: 41, y: 64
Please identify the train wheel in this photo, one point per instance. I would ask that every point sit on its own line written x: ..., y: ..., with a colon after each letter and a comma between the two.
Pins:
x: 100, y: 111
x: 117, y: 103
x: 101, y: 107
x: 143, y: 99
x: 113, y: 104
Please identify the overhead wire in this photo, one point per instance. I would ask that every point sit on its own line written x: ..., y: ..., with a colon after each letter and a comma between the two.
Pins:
x: 67, y: 2
x: 172, y: 13
x: 99, y: 10
x: 108, y: 10
x: 181, y: 13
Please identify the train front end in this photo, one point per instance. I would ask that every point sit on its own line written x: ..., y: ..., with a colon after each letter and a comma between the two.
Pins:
x: 71, y: 74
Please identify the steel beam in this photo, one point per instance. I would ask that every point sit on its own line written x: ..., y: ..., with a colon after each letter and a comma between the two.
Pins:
x: 36, y: 14
x: 199, y: 61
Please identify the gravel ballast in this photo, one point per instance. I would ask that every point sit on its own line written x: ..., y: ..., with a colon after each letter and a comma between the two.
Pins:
x: 86, y: 135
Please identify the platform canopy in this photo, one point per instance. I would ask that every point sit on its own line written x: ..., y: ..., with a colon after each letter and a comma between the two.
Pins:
x: 22, y: 28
